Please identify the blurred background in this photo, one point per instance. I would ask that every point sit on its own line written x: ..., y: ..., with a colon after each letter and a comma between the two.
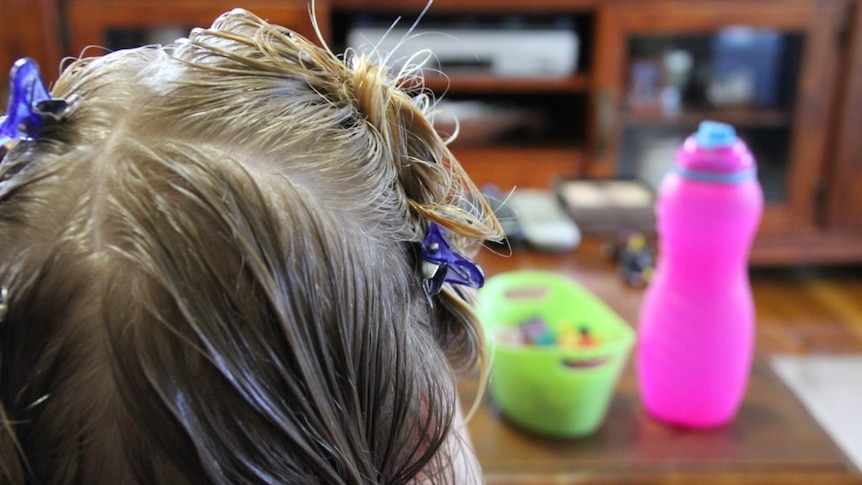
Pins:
x: 551, y: 92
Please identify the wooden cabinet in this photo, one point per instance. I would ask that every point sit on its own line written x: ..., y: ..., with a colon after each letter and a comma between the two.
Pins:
x: 553, y: 141
x: 767, y: 67
x: 786, y: 73
x: 647, y: 72
x: 119, y: 23
x: 843, y: 173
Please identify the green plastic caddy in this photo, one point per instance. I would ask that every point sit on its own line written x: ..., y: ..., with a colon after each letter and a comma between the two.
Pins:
x: 554, y: 387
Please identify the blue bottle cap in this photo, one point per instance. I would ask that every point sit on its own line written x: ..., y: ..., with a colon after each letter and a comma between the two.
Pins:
x: 714, y: 154
x: 712, y: 134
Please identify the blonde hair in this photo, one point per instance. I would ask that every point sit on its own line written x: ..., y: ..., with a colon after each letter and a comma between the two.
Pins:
x: 213, y: 277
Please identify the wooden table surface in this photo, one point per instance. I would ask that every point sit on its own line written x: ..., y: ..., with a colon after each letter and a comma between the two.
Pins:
x: 772, y: 440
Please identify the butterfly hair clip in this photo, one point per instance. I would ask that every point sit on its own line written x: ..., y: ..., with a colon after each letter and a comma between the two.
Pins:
x: 442, y: 265
x: 30, y: 104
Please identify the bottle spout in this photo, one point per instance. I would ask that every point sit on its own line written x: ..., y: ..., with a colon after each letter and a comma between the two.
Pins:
x: 715, y: 154
x: 712, y: 134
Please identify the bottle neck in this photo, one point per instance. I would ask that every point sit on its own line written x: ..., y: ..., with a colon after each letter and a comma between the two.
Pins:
x: 734, y: 177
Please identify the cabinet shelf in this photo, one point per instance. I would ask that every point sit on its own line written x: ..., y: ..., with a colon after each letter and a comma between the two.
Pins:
x: 520, y: 166
x: 488, y: 84
x: 740, y: 117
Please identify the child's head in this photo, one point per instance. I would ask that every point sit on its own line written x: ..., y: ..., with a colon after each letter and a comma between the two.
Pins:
x: 212, y: 271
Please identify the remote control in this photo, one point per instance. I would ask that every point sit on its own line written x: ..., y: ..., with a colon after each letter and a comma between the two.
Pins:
x: 544, y: 223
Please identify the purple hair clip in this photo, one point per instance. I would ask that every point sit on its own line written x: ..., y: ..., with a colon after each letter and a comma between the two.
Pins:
x: 30, y: 104
x: 442, y: 265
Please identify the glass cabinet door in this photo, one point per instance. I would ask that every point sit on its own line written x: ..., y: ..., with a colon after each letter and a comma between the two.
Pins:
x: 759, y: 66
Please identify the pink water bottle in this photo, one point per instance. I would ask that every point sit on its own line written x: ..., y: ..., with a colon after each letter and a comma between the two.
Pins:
x: 696, y: 331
